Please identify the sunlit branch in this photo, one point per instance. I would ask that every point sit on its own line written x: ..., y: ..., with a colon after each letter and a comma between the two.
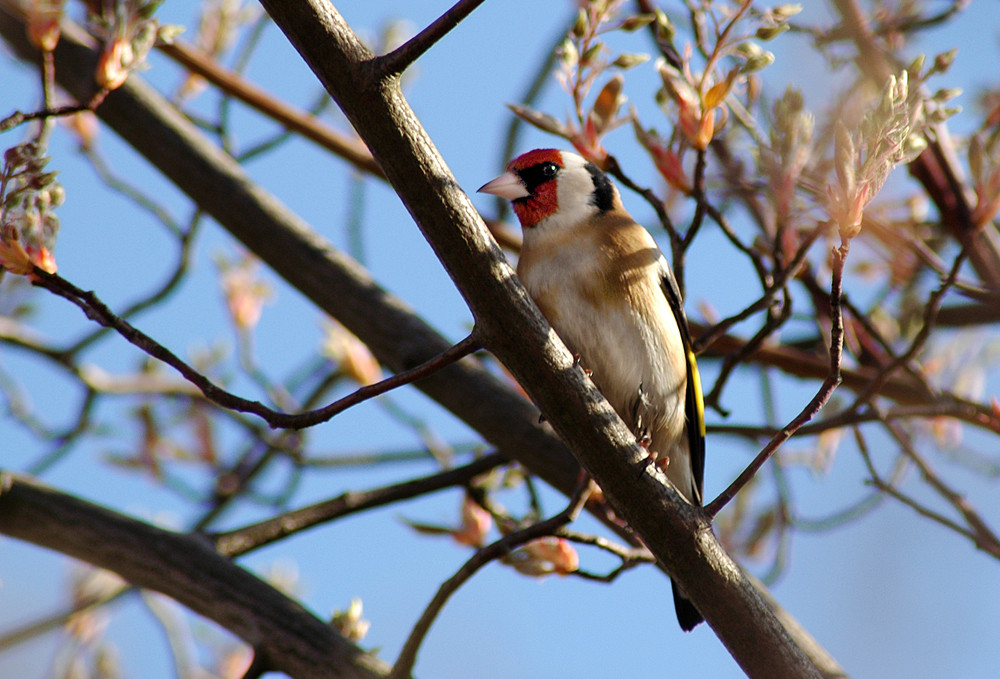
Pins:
x: 293, y: 118
x: 399, y: 59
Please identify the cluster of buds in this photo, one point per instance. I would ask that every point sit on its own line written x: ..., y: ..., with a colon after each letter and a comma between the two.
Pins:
x: 545, y: 556
x: 889, y: 135
x: 350, y: 623
x: 244, y: 291
x: 130, y: 31
x: 698, y: 107
x: 28, y: 223
x: 789, y: 151
x: 700, y: 98
x: 984, y: 166
x: 43, y: 23
x: 697, y: 102
x: 583, y: 59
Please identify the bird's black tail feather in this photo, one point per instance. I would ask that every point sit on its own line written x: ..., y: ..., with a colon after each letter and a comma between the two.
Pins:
x: 687, y: 615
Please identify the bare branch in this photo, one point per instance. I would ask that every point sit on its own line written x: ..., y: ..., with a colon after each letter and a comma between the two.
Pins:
x: 408, y: 656
x: 979, y: 532
x: 96, y: 310
x: 242, y: 540
x: 818, y: 401
x: 307, y: 125
x: 400, y: 59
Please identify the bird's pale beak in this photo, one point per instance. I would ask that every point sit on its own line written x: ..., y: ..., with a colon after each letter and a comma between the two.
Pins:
x: 508, y: 185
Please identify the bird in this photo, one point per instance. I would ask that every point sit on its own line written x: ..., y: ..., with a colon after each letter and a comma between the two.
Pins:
x: 604, y: 286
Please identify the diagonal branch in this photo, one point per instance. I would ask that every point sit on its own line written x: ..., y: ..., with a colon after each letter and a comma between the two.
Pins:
x: 678, y: 534
x: 98, y: 311
x: 237, y: 542
x: 335, y: 283
x: 400, y: 58
x: 292, y: 118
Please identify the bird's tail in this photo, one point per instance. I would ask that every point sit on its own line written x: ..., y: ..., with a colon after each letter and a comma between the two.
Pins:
x: 687, y: 615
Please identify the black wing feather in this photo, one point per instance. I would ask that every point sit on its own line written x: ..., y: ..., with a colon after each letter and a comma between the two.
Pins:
x: 694, y: 406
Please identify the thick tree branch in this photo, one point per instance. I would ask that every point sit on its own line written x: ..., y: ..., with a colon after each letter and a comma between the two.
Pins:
x: 334, y: 282
x: 187, y: 569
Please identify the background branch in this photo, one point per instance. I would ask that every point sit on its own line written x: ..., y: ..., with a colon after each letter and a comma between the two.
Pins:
x: 187, y: 569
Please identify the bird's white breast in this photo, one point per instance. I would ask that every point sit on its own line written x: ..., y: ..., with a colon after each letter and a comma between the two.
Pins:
x: 620, y: 325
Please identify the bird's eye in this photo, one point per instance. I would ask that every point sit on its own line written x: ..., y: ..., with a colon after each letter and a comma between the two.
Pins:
x: 549, y: 169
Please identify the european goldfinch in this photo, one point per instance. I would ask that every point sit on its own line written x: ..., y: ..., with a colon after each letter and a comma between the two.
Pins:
x: 607, y: 290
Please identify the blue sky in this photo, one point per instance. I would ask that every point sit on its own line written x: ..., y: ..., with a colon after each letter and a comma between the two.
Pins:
x: 889, y: 595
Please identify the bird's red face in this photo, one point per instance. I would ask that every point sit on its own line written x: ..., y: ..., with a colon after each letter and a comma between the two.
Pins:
x: 530, y: 184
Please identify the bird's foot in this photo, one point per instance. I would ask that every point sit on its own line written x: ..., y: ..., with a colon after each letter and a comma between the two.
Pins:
x: 654, y: 458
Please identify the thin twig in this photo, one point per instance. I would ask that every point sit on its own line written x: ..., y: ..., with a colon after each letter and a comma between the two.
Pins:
x: 732, y: 360
x: 402, y: 57
x: 763, y: 272
x: 408, y: 656
x: 291, y: 117
x: 930, y: 315
x: 979, y: 532
x: 701, y: 200
x: 976, y: 414
x: 765, y: 300
x: 99, y: 312
x: 630, y: 557
x: 890, y: 490
x: 17, y: 117
x: 818, y: 401
x: 59, y: 620
x: 242, y: 540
